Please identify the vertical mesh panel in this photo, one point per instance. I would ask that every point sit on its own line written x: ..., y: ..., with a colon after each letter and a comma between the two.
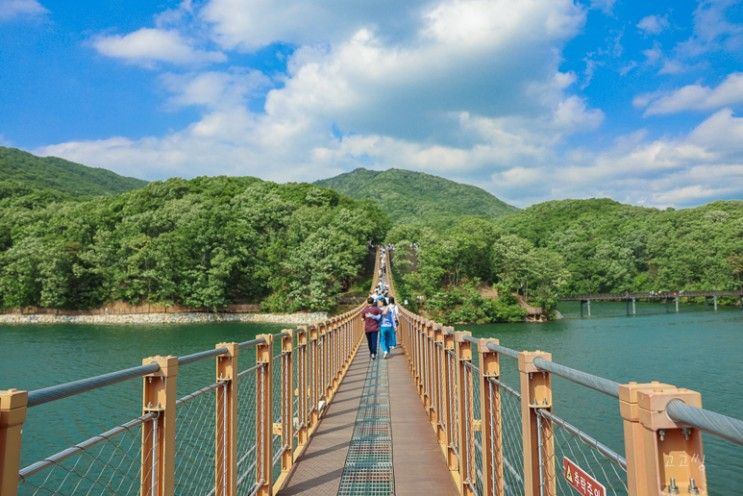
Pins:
x: 606, y: 466
x: 194, y: 441
x: 108, y: 463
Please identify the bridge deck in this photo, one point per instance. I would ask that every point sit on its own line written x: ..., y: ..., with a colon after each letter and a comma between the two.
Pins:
x: 375, y: 413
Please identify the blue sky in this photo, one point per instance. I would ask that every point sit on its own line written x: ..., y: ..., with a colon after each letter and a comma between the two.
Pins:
x: 531, y: 100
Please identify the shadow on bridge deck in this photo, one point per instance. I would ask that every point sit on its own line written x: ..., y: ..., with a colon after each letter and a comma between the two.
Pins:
x: 418, y: 463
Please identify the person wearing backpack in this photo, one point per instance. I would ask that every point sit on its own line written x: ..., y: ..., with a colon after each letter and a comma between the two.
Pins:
x: 372, y: 315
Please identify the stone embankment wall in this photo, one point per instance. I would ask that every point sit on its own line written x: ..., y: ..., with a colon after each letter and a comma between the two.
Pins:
x: 163, y: 318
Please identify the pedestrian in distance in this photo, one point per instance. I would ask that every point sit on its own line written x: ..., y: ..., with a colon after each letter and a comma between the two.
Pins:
x: 386, y: 327
x: 372, y: 315
x: 396, y: 320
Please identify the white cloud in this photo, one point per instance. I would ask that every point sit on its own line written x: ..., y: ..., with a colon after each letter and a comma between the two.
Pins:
x: 252, y: 24
x: 148, y: 45
x: 215, y: 89
x: 12, y: 9
x: 722, y: 132
x: 606, y: 6
x: 713, y: 31
x: 470, y: 89
x: 694, y: 97
x: 653, y: 24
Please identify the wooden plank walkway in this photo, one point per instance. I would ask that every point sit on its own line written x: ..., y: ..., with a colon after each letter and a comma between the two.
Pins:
x: 419, y: 466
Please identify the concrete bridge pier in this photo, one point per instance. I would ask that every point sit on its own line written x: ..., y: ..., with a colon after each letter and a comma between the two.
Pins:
x: 676, y: 301
x: 587, y: 303
x: 631, y: 306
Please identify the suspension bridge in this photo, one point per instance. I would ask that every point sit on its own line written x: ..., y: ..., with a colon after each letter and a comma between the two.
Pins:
x: 305, y: 411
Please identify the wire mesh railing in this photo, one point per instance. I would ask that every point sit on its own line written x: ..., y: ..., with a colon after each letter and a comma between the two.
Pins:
x: 195, y: 440
x: 246, y: 430
x: 510, y: 449
x: 573, y: 446
x: 108, y: 463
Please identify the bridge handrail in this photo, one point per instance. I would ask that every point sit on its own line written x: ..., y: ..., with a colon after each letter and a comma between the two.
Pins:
x: 60, y: 391
x: 495, y: 347
x: 73, y: 388
x: 595, y: 382
x: 600, y: 384
x: 727, y: 428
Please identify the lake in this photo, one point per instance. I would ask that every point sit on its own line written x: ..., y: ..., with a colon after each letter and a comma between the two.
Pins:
x: 697, y: 348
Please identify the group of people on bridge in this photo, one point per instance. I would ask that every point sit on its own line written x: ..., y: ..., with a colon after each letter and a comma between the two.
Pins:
x: 381, y: 316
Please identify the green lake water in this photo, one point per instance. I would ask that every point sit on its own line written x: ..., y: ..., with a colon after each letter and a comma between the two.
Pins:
x: 697, y: 348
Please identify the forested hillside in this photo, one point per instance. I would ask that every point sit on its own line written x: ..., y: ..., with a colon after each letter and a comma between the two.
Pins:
x: 409, y: 196
x: 206, y: 242
x: 568, y: 246
x: 24, y: 173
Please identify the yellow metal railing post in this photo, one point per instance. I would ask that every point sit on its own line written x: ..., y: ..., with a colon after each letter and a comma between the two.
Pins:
x: 303, y: 392
x: 438, y: 371
x: 263, y: 415
x: 13, y: 407
x: 225, y: 445
x: 663, y: 457
x: 314, y: 376
x: 465, y: 409
x: 323, y: 347
x: 428, y: 374
x: 286, y: 423
x: 157, y: 474
x: 287, y: 400
x: 491, y: 421
x: 450, y: 383
x: 536, y: 393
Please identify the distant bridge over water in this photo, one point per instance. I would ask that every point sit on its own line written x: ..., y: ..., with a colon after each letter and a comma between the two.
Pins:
x: 710, y: 296
x: 305, y: 411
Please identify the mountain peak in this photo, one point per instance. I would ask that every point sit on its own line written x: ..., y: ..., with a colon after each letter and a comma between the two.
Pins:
x: 51, y: 173
x: 416, y: 197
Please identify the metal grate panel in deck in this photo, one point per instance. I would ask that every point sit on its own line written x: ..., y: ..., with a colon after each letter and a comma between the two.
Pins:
x: 368, y: 468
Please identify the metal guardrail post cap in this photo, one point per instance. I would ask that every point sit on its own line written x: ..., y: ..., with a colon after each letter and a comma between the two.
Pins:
x: 526, y: 360
x: 482, y: 345
x: 168, y: 365
x: 652, y: 406
x: 10, y: 399
x: 448, y: 330
x: 460, y: 335
x: 628, y: 397
x: 267, y: 338
x: 232, y: 348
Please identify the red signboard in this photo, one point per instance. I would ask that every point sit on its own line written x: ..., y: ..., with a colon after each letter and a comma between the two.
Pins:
x: 580, y: 480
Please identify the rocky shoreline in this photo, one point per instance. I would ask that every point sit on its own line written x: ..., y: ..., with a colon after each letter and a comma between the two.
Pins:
x: 299, y: 318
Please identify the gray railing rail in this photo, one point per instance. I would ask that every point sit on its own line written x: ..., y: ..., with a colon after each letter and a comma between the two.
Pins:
x: 60, y: 391
x: 53, y: 393
x: 251, y: 342
x: 195, y: 357
x: 495, y: 347
x: 594, y: 382
x: 727, y: 428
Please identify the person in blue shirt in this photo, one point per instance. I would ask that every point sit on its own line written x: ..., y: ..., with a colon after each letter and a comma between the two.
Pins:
x: 387, y: 326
